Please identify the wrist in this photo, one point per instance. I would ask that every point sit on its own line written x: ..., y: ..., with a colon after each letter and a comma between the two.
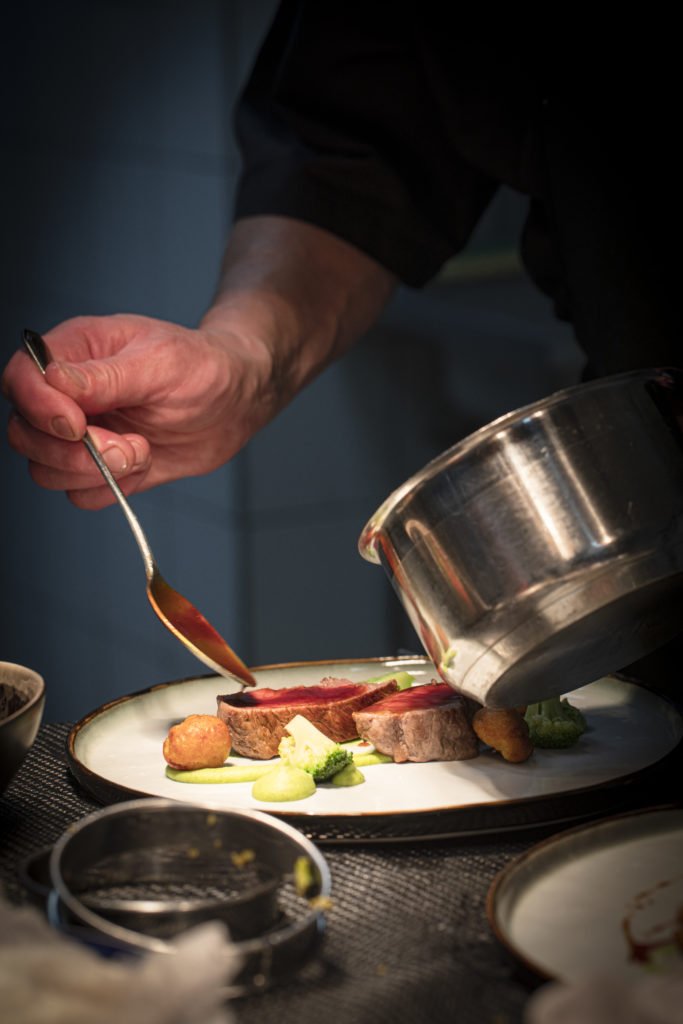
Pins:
x: 301, y: 294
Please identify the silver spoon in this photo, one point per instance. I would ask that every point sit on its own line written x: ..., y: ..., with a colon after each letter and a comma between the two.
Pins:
x: 175, y: 611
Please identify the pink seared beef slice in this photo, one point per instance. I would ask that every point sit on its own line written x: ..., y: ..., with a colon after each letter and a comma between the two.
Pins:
x: 430, y: 722
x: 257, y: 718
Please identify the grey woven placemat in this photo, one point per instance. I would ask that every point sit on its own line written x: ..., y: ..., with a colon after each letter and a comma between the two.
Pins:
x: 407, y: 938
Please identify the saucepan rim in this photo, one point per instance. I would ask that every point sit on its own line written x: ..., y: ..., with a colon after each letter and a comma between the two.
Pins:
x: 368, y: 540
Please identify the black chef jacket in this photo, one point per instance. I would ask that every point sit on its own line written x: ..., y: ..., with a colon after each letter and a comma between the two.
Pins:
x: 393, y: 125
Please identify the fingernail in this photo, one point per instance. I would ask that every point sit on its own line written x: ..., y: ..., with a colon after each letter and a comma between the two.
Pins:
x: 115, y: 459
x: 140, y: 453
x: 74, y: 374
x: 63, y: 428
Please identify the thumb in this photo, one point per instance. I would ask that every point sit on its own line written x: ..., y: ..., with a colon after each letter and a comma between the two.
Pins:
x: 99, y: 385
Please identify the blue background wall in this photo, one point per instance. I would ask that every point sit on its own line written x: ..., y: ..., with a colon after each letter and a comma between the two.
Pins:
x: 118, y: 178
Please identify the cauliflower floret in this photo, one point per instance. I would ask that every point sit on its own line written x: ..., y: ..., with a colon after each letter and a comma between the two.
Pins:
x: 308, y: 748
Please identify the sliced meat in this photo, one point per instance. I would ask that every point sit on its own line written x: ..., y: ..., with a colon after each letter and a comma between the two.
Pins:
x: 257, y: 718
x: 424, y: 723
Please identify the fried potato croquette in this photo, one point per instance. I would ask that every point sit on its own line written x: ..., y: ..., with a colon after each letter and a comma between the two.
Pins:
x: 505, y: 730
x: 200, y: 741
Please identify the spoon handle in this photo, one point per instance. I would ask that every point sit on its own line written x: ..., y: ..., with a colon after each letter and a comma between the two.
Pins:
x: 37, y: 348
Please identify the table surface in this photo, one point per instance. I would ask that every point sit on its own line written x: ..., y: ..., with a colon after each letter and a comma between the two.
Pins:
x: 407, y: 937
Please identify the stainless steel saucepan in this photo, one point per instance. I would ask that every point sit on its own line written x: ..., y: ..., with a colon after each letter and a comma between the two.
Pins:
x: 546, y: 549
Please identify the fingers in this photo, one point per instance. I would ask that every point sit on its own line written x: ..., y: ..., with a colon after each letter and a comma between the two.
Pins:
x: 130, y: 362
x: 63, y: 465
x: 97, y: 386
x: 91, y: 499
x: 98, y: 364
x: 45, y: 408
x: 99, y: 496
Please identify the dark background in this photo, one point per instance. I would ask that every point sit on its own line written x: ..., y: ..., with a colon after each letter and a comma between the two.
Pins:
x: 118, y: 175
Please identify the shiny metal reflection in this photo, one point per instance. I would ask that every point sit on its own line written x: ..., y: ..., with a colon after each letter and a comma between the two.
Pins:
x: 546, y: 549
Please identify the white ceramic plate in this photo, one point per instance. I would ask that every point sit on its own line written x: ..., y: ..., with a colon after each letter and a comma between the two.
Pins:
x: 619, y: 882
x: 116, y: 752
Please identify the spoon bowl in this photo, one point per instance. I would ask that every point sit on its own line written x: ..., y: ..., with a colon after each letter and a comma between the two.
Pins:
x: 175, y: 611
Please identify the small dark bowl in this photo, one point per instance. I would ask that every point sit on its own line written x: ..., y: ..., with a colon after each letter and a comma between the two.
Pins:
x: 22, y: 700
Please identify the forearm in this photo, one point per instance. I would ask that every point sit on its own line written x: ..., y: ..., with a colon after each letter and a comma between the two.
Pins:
x: 298, y: 290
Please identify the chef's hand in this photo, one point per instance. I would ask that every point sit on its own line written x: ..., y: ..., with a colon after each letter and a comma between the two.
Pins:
x: 160, y: 401
x: 164, y: 402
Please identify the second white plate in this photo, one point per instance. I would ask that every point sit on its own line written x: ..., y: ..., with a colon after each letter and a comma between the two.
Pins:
x: 600, y: 898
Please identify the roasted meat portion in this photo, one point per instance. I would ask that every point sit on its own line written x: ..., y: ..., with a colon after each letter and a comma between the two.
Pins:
x: 257, y: 718
x: 424, y: 723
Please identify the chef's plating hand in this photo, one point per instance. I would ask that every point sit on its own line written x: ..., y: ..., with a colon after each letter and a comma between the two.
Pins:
x: 160, y: 401
x: 163, y: 401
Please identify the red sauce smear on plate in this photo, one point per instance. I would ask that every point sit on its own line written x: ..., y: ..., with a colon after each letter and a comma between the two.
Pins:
x: 664, y: 933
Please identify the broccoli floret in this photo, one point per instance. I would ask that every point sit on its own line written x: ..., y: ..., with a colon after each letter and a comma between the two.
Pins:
x: 554, y: 723
x: 308, y: 748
